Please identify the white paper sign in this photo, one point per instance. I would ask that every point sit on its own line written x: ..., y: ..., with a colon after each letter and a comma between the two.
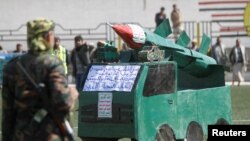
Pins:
x: 111, y: 78
x: 105, y: 105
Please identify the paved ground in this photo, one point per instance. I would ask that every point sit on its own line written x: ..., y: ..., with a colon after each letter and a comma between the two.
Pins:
x: 236, y: 83
x: 246, y: 75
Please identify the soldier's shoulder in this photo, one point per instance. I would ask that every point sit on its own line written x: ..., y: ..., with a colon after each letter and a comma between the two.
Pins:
x: 48, y: 59
x: 10, y: 66
x: 50, y: 62
x: 12, y: 61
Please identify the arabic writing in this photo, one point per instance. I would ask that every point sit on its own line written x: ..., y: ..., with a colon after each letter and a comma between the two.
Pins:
x: 111, y: 78
x: 105, y: 105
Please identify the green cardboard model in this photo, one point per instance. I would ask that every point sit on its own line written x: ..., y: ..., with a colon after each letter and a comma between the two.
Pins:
x: 107, y: 53
x: 183, y: 40
x: 165, y: 100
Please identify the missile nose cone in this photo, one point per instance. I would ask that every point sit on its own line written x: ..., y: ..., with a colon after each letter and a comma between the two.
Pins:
x: 126, y: 33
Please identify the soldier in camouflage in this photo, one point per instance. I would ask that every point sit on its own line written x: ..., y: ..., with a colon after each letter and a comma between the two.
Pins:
x: 21, y: 103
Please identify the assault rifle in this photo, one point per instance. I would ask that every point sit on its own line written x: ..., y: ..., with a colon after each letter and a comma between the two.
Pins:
x: 62, y: 124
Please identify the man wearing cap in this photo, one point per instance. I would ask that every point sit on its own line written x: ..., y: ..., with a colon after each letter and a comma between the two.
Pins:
x: 24, y: 116
x: 80, y: 58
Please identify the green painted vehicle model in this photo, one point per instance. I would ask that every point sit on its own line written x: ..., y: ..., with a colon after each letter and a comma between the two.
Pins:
x: 166, y: 100
x: 160, y: 101
x: 106, y: 52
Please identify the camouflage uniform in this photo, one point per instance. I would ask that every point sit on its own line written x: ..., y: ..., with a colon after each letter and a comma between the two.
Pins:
x: 20, y: 100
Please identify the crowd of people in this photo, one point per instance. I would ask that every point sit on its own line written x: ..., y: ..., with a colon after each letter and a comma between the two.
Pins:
x: 48, y: 63
x: 74, y: 61
x: 42, y: 70
x: 237, y: 58
x: 19, y: 49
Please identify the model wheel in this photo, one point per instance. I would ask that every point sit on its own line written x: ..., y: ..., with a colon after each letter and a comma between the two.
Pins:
x: 165, y: 133
x: 194, y: 132
x: 99, y: 139
x: 222, y: 121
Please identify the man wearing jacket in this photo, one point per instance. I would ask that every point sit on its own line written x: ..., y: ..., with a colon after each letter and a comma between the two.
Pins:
x: 80, y: 59
x: 25, y: 115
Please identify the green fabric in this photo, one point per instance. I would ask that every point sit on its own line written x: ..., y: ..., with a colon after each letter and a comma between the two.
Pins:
x: 205, y: 42
x: 183, y: 40
x: 164, y: 29
x: 155, y: 39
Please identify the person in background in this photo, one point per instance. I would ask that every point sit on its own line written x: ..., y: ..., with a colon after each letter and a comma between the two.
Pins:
x: 19, y: 49
x: 160, y: 16
x: 93, y: 53
x: 238, y: 59
x: 80, y: 59
x: 176, y: 21
x: 125, y: 47
x: 24, y: 115
x: 218, y: 52
x: 96, y: 56
x: 61, y: 52
x: 127, y: 54
x: 2, y: 51
x: 194, y: 45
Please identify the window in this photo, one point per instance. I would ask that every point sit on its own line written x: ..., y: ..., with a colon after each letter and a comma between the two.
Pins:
x: 161, y: 79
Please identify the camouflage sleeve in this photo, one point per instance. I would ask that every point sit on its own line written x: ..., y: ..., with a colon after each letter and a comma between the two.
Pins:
x: 62, y: 98
x: 8, y: 112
